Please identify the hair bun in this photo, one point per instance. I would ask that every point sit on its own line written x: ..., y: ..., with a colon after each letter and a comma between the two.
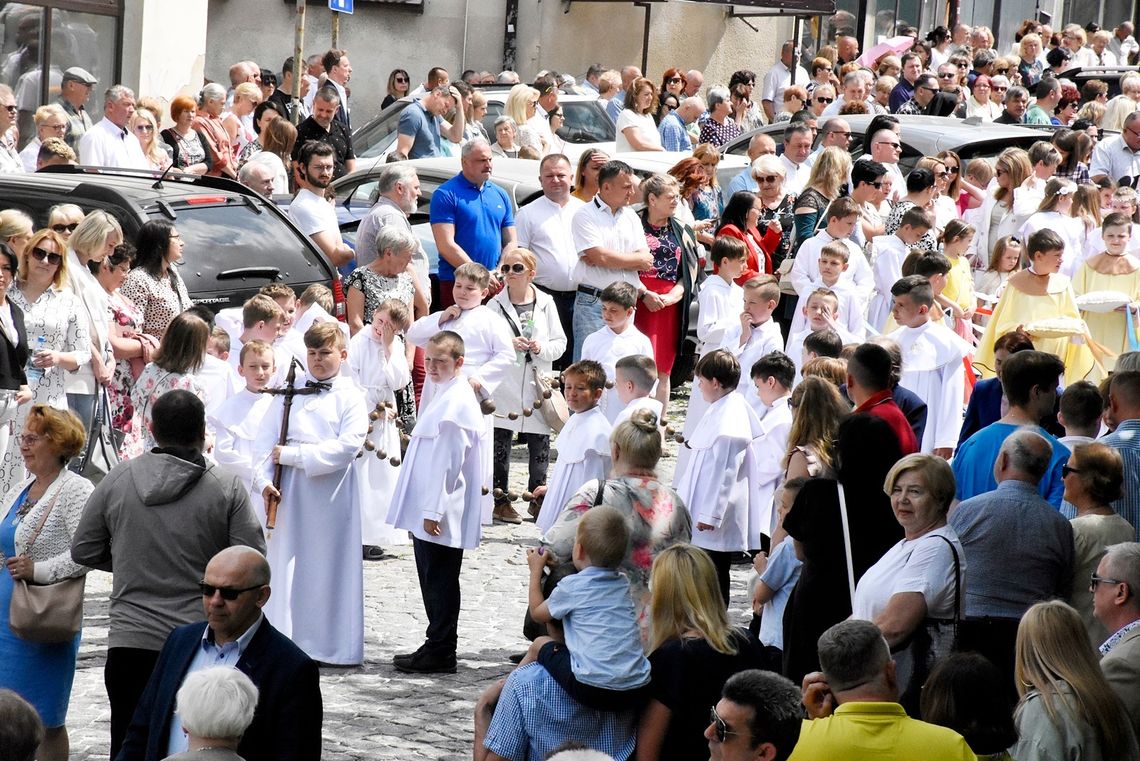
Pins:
x: 646, y: 420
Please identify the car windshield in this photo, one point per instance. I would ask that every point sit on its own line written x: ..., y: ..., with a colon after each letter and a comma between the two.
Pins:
x: 374, y: 138
x: 586, y: 122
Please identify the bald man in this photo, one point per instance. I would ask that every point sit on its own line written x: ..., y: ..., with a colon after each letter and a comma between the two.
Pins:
x: 287, y: 722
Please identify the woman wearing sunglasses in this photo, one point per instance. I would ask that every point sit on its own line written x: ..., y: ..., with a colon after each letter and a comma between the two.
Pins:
x: 399, y: 83
x: 538, y: 340
x: 63, y: 218
x: 59, y: 340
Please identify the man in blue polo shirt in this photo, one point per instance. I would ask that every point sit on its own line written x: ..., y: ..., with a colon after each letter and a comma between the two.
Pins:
x: 418, y: 133
x: 471, y: 219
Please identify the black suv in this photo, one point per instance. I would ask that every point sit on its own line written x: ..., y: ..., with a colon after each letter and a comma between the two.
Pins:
x: 236, y: 240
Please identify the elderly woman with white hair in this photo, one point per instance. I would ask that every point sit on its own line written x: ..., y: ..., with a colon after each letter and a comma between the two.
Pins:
x: 51, y: 121
x: 208, y: 124
x: 777, y: 206
x: 215, y: 706
x: 717, y: 127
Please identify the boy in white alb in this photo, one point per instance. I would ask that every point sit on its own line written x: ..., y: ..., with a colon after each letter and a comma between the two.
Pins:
x: 379, y: 363
x: 489, y: 351
x: 833, y: 262
x: 932, y: 364
x: 754, y: 335
x: 888, y: 253
x: 842, y: 216
x: 237, y: 421
x: 772, y: 377
x: 721, y: 300
x: 718, y: 482
x: 318, y: 579
x: 619, y: 338
x: 315, y: 304
x: 438, y: 500
x: 583, y: 445
x: 634, y: 380
x: 822, y: 312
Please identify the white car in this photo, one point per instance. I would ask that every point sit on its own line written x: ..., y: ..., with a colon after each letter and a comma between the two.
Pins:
x: 586, y: 126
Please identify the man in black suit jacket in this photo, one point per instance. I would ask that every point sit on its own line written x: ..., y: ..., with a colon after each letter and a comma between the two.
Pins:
x: 287, y: 723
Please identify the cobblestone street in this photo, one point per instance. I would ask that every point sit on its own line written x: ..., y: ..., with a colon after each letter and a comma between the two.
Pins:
x: 374, y: 712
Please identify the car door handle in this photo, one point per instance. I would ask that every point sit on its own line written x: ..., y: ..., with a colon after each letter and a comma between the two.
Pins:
x: 268, y: 273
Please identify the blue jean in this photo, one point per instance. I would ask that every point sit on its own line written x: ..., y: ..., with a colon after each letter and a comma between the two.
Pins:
x: 587, y: 320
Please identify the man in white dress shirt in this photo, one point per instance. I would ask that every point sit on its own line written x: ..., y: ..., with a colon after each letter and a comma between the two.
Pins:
x: 797, y: 146
x: 9, y: 160
x: 779, y: 78
x: 611, y: 246
x: 109, y: 143
x: 1118, y: 157
x: 543, y: 227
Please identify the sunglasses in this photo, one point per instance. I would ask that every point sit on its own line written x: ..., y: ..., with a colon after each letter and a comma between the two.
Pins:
x: 401, y: 80
x: 765, y: 180
x: 144, y: 128
x: 825, y: 100
x: 517, y: 268
x: 952, y: 169
x: 876, y: 185
x: 11, y: 109
x: 48, y: 256
x: 1066, y: 471
x: 721, y: 729
x: 227, y: 593
x: 947, y: 75
x: 999, y: 89
x: 674, y: 80
x: 65, y: 228
x: 896, y: 146
x: 559, y: 114
x: 1001, y: 71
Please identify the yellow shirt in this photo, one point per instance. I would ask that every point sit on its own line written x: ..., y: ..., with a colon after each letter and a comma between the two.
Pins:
x: 1107, y: 328
x: 877, y: 732
x: 960, y: 283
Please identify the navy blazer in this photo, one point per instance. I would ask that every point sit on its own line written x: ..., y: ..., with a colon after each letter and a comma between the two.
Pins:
x: 984, y: 408
x: 287, y: 723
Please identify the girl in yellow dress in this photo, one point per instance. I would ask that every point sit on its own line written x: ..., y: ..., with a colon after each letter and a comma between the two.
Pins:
x: 1036, y: 294
x: 958, y: 296
x: 1111, y: 270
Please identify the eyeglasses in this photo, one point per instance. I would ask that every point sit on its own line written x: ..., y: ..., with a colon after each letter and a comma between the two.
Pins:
x: 770, y: 178
x: 44, y: 255
x: 227, y: 593
x: 31, y: 439
x: 1094, y: 580
x: 1066, y: 470
x: 824, y: 100
x: 928, y: 88
x: 721, y: 728
x: 952, y: 169
x: 11, y: 109
x: 517, y: 268
x: 560, y: 115
x: 943, y: 175
x: 876, y: 185
x: 65, y: 228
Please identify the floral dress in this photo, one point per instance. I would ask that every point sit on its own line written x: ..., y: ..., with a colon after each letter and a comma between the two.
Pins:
x: 128, y: 318
x: 55, y: 316
x: 377, y: 289
x: 718, y: 134
x: 151, y: 384
x: 927, y: 243
x: 656, y: 516
x: 784, y: 213
x: 159, y: 299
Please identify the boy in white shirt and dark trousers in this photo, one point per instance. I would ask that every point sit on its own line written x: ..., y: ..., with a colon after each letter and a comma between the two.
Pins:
x: 490, y: 351
x: 438, y: 497
x: 601, y: 664
x: 619, y: 338
x: 718, y: 481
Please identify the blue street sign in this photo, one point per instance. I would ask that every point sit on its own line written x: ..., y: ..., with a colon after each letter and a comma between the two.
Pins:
x: 341, y: 6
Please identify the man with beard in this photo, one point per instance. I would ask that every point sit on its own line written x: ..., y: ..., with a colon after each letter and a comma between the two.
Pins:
x: 324, y: 126
x: 313, y: 214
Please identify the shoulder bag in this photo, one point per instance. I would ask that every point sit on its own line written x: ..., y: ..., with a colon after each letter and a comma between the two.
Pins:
x: 48, y: 613
x: 932, y: 641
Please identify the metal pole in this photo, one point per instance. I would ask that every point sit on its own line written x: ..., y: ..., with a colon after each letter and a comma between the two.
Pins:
x: 510, y: 34
x: 335, y: 30
x: 298, y: 58
x: 645, y: 36
x: 797, y: 30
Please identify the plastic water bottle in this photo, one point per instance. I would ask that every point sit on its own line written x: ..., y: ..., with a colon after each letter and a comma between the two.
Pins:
x: 35, y: 374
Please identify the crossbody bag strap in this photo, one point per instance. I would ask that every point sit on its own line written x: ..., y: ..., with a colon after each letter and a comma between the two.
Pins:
x: 43, y: 519
x: 847, y: 542
x: 511, y: 323
x: 957, y: 579
x: 601, y: 493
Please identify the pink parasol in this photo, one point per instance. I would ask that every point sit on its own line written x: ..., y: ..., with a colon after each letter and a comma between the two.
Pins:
x: 893, y: 46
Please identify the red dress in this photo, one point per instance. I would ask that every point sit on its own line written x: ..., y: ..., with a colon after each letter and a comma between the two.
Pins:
x: 663, y: 327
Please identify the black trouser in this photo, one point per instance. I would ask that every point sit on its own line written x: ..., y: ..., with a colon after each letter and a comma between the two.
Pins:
x: 564, y: 303
x: 438, y: 568
x: 722, y: 561
x: 538, y: 449
x: 125, y: 675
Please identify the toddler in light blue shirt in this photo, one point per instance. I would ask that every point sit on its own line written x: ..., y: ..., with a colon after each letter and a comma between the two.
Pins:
x: 601, y: 663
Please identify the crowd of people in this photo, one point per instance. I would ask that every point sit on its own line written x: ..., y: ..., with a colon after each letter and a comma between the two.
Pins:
x: 912, y: 410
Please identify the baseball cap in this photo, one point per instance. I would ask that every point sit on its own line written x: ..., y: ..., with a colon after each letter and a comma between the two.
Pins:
x: 76, y: 74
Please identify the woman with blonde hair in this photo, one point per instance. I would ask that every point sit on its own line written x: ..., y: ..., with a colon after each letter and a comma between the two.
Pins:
x: 693, y: 650
x: 828, y: 177
x: 998, y: 216
x: 636, y: 129
x: 238, y: 121
x: 145, y: 127
x: 521, y: 105
x: 15, y: 229
x: 63, y: 219
x: 817, y: 411
x: 1067, y: 709
x: 586, y: 176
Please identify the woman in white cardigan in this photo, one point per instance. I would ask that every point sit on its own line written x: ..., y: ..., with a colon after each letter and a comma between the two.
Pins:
x: 42, y: 512
x: 539, y: 340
